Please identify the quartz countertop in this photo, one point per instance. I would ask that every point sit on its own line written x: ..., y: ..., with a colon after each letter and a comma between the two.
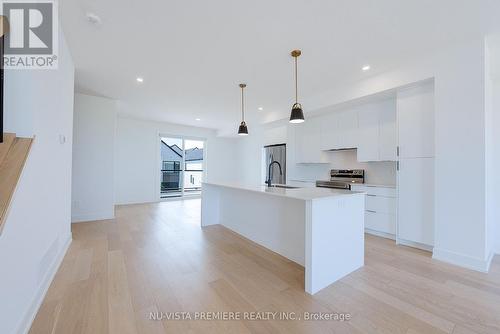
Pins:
x: 375, y: 185
x: 306, y: 194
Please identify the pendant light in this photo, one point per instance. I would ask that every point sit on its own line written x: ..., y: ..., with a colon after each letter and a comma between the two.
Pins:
x: 297, y: 115
x: 243, y: 130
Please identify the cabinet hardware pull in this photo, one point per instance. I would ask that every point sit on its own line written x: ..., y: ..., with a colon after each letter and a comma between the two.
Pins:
x: 371, y: 211
x: 371, y: 195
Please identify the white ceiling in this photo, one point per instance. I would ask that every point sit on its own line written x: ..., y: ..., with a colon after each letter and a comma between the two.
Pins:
x: 193, y: 54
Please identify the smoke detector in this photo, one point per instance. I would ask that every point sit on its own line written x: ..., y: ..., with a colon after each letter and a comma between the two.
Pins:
x: 93, y: 18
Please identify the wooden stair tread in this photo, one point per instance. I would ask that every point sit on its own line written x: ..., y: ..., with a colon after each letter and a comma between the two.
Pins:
x: 8, y: 138
x: 10, y: 171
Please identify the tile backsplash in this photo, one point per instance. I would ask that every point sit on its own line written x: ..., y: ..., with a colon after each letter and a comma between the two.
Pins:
x: 375, y: 172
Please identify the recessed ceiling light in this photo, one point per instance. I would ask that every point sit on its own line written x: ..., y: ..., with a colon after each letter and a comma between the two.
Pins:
x: 140, y: 80
x: 197, y: 119
x: 93, y: 18
x: 260, y: 108
x: 366, y: 68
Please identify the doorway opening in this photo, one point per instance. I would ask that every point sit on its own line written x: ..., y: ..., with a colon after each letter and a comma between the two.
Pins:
x: 182, y: 166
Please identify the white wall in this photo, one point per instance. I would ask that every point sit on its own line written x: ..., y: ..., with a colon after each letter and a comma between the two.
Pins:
x: 137, y: 175
x: 37, y: 231
x: 222, y: 160
x: 250, y: 153
x: 93, y: 158
x: 489, y: 147
x: 494, y: 167
x: 460, y: 146
x: 492, y: 107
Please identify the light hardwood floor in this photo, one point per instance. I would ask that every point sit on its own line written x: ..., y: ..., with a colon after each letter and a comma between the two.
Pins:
x: 156, y: 258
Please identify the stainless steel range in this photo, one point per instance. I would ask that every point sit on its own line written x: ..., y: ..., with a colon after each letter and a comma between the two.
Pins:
x: 343, y: 178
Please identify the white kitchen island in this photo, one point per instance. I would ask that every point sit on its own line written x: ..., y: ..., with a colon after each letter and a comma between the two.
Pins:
x: 321, y: 229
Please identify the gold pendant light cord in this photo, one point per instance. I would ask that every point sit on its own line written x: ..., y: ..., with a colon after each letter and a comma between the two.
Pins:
x: 296, y: 82
x: 242, y: 105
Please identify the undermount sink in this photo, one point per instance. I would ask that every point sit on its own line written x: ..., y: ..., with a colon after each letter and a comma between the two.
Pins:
x: 283, y: 186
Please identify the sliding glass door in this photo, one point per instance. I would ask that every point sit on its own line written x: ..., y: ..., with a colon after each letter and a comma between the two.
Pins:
x: 193, y: 166
x: 182, y: 163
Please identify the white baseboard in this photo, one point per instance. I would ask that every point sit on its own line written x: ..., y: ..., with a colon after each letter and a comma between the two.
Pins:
x: 414, y: 244
x: 30, y: 314
x: 87, y: 217
x: 380, y: 234
x: 136, y: 202
x: 463, y: 260
x: 159, y: 200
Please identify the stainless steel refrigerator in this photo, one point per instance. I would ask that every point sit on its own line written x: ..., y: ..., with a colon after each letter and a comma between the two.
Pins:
x: 276, y: 153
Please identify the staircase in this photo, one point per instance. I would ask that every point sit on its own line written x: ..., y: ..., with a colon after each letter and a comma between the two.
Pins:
x: 13, y: 154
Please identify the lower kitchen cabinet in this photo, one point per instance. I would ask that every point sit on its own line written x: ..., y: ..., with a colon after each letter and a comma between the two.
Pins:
x: 416, y: 202
x: 380, y: 210
x: 380, y: 222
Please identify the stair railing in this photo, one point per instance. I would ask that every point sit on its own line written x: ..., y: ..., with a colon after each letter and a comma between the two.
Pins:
x: 4, y: 29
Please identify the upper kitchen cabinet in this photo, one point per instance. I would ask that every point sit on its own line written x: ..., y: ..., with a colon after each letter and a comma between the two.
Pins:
x: 275, y: 135
x: 339, y: 130
x: 308, y: 141
x: 368, y: 141
x: 388, y: 135
x: 348, y: 129
x: 370, y: 128
x: 415, y: 108
x: 329, y: 132
x: 377, y: 132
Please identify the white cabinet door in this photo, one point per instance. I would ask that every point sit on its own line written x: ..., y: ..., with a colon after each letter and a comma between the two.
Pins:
x: 348, y: 129
x: 416, y: 200
x: 339, y: 130
x: 299, y: 131
x: 387, y: 135
x: 377, y: 191
x: 415, y: 112
x: 380, y: 222
x: 303, y: 142
x: 314, y: 144
x: 381, y: 204
x: 308, y: 142
x: 330, y: 137
x: 368, y: 136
